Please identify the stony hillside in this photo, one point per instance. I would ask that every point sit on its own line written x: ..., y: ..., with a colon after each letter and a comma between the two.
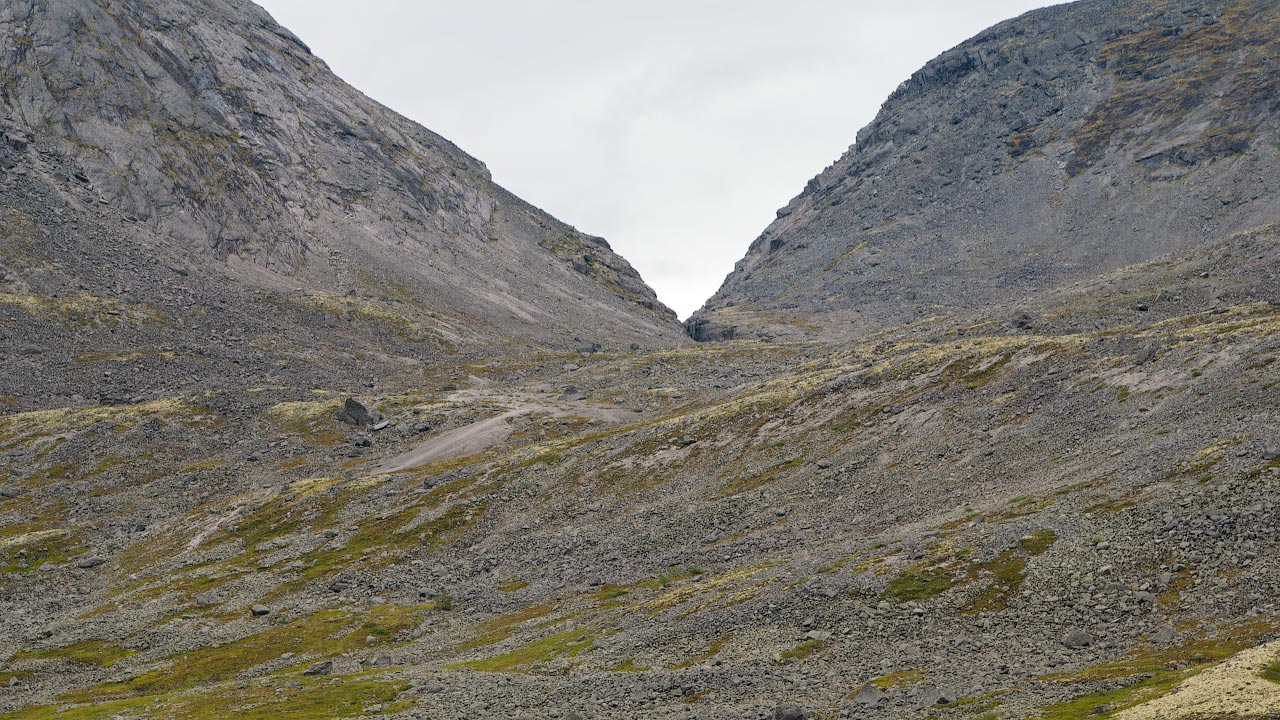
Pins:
x: 233, y: 486
x: 1060, y: 145
x: 225, y: 147
x: 1064, y: 510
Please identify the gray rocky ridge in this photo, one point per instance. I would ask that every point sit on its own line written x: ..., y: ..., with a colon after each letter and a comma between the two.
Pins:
x: 1059, y: 145
x: 222, y: 138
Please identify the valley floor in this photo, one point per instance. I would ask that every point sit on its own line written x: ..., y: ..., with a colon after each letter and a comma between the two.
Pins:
x: 1071, y: 515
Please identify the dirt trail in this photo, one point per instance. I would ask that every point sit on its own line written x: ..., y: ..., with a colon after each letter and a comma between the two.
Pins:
x: 471, y: 439
x: 213, y: 526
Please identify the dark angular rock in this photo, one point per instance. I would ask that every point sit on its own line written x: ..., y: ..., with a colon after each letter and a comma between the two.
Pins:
x: 320, y: 668
x: 353, y: 412
x: 788, y: 712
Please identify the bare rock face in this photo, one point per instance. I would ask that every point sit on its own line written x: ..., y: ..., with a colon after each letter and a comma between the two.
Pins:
x: 1068, y: 142
x: 221, y: 135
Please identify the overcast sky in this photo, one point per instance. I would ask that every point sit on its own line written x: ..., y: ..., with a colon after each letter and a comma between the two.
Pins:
x: 672, y: 128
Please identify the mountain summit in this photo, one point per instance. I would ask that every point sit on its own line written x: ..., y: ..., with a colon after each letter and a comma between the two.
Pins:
x: 1065, y: 143
x: 222, y: 139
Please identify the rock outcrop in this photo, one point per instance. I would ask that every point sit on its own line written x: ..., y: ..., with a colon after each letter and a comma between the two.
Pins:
x: 221, y: 137
x: 1059, y: 145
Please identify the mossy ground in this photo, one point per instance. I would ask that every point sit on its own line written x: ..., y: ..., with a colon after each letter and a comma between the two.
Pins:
x: 1151, y: 673
x: 564, y: 645
x: 324, y: 634
x: 802, y: 651
x: 713, y: 649
x: 1003, y: 575
x: 903, y: 678
x: 98, y: 653
x: 290, y: 697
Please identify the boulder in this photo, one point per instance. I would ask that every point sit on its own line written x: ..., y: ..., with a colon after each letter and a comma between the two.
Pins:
x: 354, y: 413
x: 1077, y: 638
x: 320, y: 668
x: 788, y: 712
x: 869, y: 695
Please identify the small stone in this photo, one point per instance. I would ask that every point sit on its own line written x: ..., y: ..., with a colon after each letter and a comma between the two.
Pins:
x: 930, y: 696
x: 1164, y: 636
x: 339, y: 586
x: 207, y: 599
x: 92, y: 562
x: 260, y: 610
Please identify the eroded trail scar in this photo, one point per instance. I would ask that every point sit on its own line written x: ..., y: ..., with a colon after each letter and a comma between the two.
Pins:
x: 473, y: 438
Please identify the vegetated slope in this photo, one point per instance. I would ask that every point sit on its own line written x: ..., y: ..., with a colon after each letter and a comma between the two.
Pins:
x: 1064, y: 508
x: 1061, y: 504
x: 233, y: 151
x: 1059, y: 145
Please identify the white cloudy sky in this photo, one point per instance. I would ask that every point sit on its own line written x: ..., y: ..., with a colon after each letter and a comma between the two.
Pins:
x: 673, y: 128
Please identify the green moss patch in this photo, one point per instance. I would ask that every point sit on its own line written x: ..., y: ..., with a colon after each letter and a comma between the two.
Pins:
x: 628, y: 665
x: 903, y: 678
x: 98, y: 653
x: 1272, y: 672
x: 297, y: 698
x: 713, y: 648
x: 801, y: 651
x: 1152, y: 673
x: 26, y: 549
x: 1003, y: 575
x: 324, y: 634
x: 567, y: 644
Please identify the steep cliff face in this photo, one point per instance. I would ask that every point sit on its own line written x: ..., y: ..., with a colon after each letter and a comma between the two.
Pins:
x: 1067, y: 142
x: 218, y: 132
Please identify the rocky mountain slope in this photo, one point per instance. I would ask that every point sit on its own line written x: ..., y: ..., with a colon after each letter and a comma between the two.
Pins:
x: 227, y: 148
x: 222, y: 496
x: 1056, y: 146
x: 1065, y: 516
